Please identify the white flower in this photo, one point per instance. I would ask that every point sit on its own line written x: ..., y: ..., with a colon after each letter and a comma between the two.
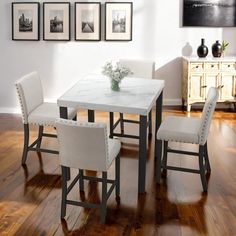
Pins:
x: 117, y: 72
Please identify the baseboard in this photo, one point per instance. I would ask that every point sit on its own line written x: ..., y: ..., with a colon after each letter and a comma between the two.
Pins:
x: 10, y: 110
x: 166, y: 102
x: 172, y: 102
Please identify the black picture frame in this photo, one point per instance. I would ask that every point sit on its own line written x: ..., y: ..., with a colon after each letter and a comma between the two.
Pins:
x: 209, y: 13
x: 59, y: 28
x: 27, y: 26
x: 94, y: 31
x: 122, y: 31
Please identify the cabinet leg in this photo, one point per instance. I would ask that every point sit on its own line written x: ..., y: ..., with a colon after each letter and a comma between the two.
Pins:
x: 188, y: 108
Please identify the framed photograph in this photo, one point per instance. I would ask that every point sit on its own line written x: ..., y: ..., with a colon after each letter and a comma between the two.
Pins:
x: 25, y: 21
x: 118, y: 22
x: 88, y: 21
x: 56, y: 21
x: 210, y: 13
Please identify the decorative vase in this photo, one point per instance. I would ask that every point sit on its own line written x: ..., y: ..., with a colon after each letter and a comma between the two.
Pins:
x: 115, y: 85
x: 202, y: 50
x: 216, y: 49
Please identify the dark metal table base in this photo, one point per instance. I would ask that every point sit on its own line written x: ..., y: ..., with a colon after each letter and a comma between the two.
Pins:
x: 143, y: 124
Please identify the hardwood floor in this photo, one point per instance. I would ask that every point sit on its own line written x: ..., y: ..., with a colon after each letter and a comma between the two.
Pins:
x: 30, y: 197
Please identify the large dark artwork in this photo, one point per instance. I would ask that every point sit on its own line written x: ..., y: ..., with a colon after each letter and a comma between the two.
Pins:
x: 213, y: 13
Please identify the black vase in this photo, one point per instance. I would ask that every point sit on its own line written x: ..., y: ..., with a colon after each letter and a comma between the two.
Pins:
x: 202, y: 50
x: 216, y: 49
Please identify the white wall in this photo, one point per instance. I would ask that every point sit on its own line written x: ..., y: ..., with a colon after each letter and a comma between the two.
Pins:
x: 157, y: 35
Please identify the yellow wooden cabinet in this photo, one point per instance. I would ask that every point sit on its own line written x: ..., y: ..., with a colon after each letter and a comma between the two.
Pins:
x: 201, y: 74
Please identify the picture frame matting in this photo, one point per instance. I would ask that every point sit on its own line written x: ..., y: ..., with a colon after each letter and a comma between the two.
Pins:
x: 87, y: 21
x: 25, y: 21
x: 56, y: 21
x: 118, y: 21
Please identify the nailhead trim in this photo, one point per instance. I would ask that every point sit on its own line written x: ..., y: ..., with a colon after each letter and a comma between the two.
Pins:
x: 43, y: 124
x: 206, y: 120
x: 23, y: 108
x: 179, y: 140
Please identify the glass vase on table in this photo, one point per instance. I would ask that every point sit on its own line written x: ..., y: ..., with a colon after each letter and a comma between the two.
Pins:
x: 116, y: 73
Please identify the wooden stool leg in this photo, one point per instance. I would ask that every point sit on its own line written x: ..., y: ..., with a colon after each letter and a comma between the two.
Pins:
x: 40, y: 136
x: 26, y: 144
x: 158, y: 144
x: 104, y: 197
x: 117, y: 175
x: 164, y: 163
x: 64, y: 191
x: 208, y: 166
x: 81, y: 180
x: 202, y: 168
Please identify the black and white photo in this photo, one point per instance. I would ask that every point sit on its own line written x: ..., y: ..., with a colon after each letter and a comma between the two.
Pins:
x: 118, y: 22
x: 56, y: 21
x: 88, y: 21
x: 211, y: 13
x: 25, y: 21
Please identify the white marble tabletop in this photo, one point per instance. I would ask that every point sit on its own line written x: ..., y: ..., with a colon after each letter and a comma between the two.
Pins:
x: 136, y: 95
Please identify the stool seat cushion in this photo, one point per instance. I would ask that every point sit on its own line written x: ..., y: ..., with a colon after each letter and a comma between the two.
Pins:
x: 47, y: 113
x: 180, y: 129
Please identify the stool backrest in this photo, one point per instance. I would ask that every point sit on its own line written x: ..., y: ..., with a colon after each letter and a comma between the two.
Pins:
x: 140, y: 68
x: 82, y: 145
x: 207, y: 114
x: 30, y: 94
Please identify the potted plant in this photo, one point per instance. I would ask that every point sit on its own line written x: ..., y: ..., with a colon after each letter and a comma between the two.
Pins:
x: 224, y: 45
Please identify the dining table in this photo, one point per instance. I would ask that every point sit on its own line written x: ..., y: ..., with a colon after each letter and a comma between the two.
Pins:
x: 136, y: 96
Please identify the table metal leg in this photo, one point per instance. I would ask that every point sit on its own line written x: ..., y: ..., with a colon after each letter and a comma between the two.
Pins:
x: 150, y: 123
x: 64, y: 115
x: 63, y: 112
x: 158, y: 143
x: 142, y: 154
x: 91, y: 116
x: 111, y: 114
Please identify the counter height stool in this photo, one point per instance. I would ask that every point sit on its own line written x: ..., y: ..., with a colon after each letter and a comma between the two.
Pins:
x: 37, y: 112
x: 86, y: 146
x: 188, y: 130
x: 141, y: 69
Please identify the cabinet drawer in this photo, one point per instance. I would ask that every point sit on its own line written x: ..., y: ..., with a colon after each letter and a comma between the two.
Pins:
x: 196, y: 66
x: 212, y: 66
x: 228, y: 66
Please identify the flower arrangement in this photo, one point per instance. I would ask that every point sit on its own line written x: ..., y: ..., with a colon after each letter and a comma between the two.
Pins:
x: 116, y: 73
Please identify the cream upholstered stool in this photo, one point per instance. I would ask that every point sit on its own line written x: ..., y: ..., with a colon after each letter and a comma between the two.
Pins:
x: 37, y: 112
x: 141, y: 69
x: 188, y: 130
x: 86, y: 146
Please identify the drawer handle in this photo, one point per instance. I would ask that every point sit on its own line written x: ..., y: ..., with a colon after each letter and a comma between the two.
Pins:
x: 212, y: 66
x: 197, y: 66
x: 220, y: 86
x: 228, y: 65
x: 204, y: 86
